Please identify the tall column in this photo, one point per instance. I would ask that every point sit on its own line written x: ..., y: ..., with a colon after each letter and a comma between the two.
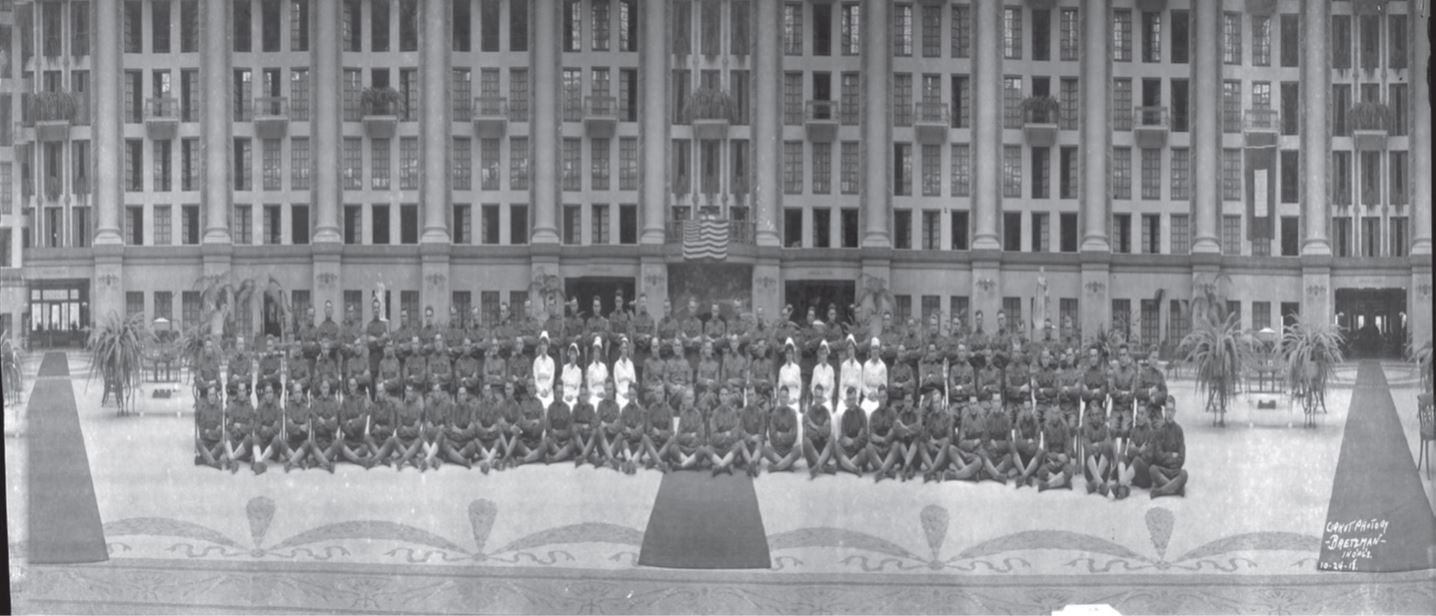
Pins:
x: 328, y: 244
x: 217, y: 122
x: 767, y: 122
x: 1096, y: 83
x: 544, y: 127
x: 325, y: 125
x: 877, y: 124
x: 109, y: 247
x: 1316, y: 305
x: 435, y: 129
x: 654, y: 64
x: 987, y: 126
x: 1206, y: 125
x: 1420, y: 178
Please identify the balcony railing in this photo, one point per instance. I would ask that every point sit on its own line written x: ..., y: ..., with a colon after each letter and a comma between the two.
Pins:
x: 491, y: 106
x: 820, y: 120
x: 739, y: 231
x: 271, y: 117
x: 823, y: 111
x: 1263, y: 119
x: 1150, y: 117
x: 161, y: 108
x: 271, y: 106
x: 930, y: 122
x: 600, y: 115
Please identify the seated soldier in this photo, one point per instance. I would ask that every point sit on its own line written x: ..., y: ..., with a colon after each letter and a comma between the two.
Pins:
x: 753, y: 427
x: 907, y: 434
x: 930, y: 374
x: 709, y: 370
x: 459, y: 445
x: 510, y: 424
x: 882, y: 454
x: 326, y: 367
x: 324, y: 435
x: 690, y: 445
x: 239, y: 425
x: 416, y: 366
x: 391, y: 372
x: 209, y: 441
x: 239, y: 369
x: 608, y: 422
x: 585, y: 430
x: 997, y: 454
x: 1018, y: 389
x: 1096, y: 451
x: 723, y: 433
x: 297, y: 429
x: 782, y: 450
x: 634, y: 419
x: 437, y: 407
x: 1028, y: 447
x: 298, y: 371
x: 489, y: 429
x: 271, y: 366
x: 529, y: 445
x: 1058, y: 463
x: 659, y: 440
x: 679, y: 373
x: 937, y: 438
x: 654, y: 367
x: 268, y: 429
x: 1045, y: 381
x: 965, y: 462
x: 495, y: 371
x: 818, y: 436
x: 1069, y: 395
x: 206, y: 374
x: 356, y: 368
x: 558, y: 427
x: 409, y: 430
x: 384, y: 418
x: 901, y: 376
x: 735, y: 365
x: 467, y: 371
x: 852, y: 448
x: 1168, y: 476
x: 439, y: 365
x: 1132, y: 462
x: 355, y: 445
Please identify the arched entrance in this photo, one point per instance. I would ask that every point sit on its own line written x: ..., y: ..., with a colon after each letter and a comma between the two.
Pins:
x: 1373, y: 320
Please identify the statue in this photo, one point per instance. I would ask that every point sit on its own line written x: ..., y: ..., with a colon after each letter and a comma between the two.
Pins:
x: 1042, y: 314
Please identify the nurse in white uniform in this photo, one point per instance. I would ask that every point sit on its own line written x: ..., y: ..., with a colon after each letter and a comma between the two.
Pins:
x: 790, y: 375
x: 850, y: 373
x: 625, y: 374
x: 823, y: 376
x: 543, y: 372
x: 597, y: 373
x: 875, y: 375
x: 572, y: 374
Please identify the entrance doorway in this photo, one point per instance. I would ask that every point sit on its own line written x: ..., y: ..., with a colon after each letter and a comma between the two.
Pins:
x: 1373, y: 320
x: 59, y: 312
x: 818, y: 294
x: 602, y: 287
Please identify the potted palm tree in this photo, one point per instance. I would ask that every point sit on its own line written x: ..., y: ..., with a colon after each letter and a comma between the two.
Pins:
x: 1216, y: 350
x: 1039, y: 115
x: 1369, y: 121
x: 118, y: 346
x: 220, y: 298
x: 381, y: 111
x: 1309, y: 350
x: 709, y: 110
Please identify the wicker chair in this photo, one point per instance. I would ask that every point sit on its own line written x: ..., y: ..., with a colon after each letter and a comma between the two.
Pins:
x: 1427, y: 416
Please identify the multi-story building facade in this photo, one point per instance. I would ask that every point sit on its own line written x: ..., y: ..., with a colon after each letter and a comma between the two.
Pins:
x: 1128, y: 154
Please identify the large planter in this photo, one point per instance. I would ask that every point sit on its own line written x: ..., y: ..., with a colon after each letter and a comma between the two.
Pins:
x: 1369, y: 140
x: 1261, y: 7
x: 710, y: 129
x: 381, y: 126
x: 52, y: 130
x: 1040, y: 135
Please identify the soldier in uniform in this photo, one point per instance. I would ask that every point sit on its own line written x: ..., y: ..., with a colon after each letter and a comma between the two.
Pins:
x: 660, y: 439
x: 678, y: 372
x: 488, y: 427
x: 634, y: 420
x: 268, y: 430
x: 724, y: 433
x: 1132, y: 462
x: 782, y: 450
x: 240, y: 368
x: 715, y: 328
x: 298, y: 368
x: 511, y: 420
x: 901, y: 376
x: 965, y: 462
x: 409, y: 430
x: 325, y: 440
x: 642, y: 327
x: 937, y: 437
x: 304, y: 334
x: 1096, y: 449
x: 1027, y: 447
x: 459, y: 445
x: 619, y: 319
x: 391, y: 372
x: 468, y: 371
x: 585, y: 422
x: 761, y: 370
x: 352, y: 327
x: 1168, y: 457
x: 207, y: 369
x: 818, y: 443
x: 668, y: 323
x: 997, y: 455
x: 655, y: 368
x: 520, y: 364
x: 907, y: 434
x: 1069, y: 395
x: 930, y: 373
x: 852, y: 447
x: 496, y: 372
x: 384, y: 416
x: 558, y: 427
x: 1057, y: 463
x: 882, y: 455
x: 1045, y: 386
x: 416, y: 367
x: 239, y: 427
x: 690, y: 329
x: 209, y: 439
x: 439, y: 412
x: 1018, y: 384
x: 356, y: 446
x: 598, y: 326
x: 690, y: 444
x: 439, y: 365
x: 529, y: 446
x: 753, y: 428
x: 328, y: 330
x: 326, y: 367
x: 709, y: 371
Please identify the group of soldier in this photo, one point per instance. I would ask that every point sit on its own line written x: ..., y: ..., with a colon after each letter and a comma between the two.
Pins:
x: 720, y: 393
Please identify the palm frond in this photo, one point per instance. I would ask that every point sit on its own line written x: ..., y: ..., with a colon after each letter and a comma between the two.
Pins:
x: 1217, y: 352
x: 1308, y: 350
x: 118, y: 346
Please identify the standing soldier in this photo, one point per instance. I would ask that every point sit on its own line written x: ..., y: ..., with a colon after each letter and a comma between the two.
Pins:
x: 474, y: 326
x: 642, y: 327
x: 715, y: 328
x: 668, y: 324
x: 690, y: 329
x: 328, y: 330
x: 1045, y: 386
x: 655, y: 369
x: 618, y: 321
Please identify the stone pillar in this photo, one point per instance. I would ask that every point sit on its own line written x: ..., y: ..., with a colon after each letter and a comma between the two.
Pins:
x: 544, y: 155
x: 436, y: 128
x: 1419, y: 316
x: 877, y: 124
x: 326, y: 132
x: 1207, y: 127
x: 987, y: 129
x: 1095, y: 299
x: 768, y: 123
x: 1317, y: 294
x: 654, y: 65
x: 325, y: 124
x: 109, y: 246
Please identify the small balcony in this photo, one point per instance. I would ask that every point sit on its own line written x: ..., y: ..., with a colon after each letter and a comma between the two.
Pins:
x: 161, y: 117
x: 1039, y: 121
x: 1264, y: 8
x: 381, y: 112
x: 1150, y: 126
x: 930, y: 122
x: 1151, y: 6
x: 1261, y: 127
x: 600, y: 116
x: 742, y: 232
x: 1370, y: 122
x: 271, y: 117
x: 491, y: 117
x: 51, y: 113
x: 820, y: 121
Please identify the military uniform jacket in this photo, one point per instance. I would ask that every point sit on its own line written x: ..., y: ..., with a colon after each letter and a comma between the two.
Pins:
x: 691, y: 427
x: 783, y: 427
x: 908, y: 426
x: 937, y: 425
x: 1171, y: 446
x: 634, y: 420
x: 240, y: 417
x: 240, y: 366
x: 989, y: 382
x: 208, y: 416
x: 854, y: 424
x: 660, y: 420
x: 709, y: 371
x: 962, y: 380
x: 723, y: 426
x: 882, y: 421
x: 607, y: 415
x: 352, y: 412
x: 325, y: 412
x: 559, y: 419
x: 655, y: 372
x: 754, y: 420
x: 1046, y: 379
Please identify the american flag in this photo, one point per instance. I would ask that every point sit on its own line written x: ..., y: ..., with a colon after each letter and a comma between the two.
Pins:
x: 705, y: 238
